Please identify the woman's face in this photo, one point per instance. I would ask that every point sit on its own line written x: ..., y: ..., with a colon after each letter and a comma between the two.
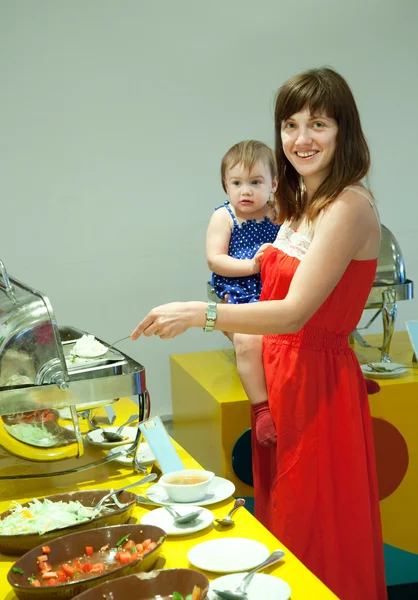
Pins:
x: 309, y: 143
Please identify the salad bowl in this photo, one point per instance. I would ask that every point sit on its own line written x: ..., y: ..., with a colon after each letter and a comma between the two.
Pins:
x: 17, y: 543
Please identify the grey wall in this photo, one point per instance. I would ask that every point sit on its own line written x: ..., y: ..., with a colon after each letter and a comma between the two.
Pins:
x: 114, y: 116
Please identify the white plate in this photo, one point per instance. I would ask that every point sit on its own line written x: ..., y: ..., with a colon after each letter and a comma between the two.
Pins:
x: 369, y: 372
x: 162, y: 518
x: 262, y: 586
x: 145, y: 456
x: 219, y: 489
x: 228, y: 555
x: 96, y: 437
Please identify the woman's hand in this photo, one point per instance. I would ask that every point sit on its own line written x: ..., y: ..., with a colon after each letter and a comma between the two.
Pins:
x: 170, y: 320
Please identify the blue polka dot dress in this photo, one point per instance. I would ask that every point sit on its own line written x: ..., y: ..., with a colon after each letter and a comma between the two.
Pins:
x: 246, y: 238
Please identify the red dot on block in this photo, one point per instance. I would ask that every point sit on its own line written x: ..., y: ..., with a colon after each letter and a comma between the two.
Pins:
x: 391, y: 456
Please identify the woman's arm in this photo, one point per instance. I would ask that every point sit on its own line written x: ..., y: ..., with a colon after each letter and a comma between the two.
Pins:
x: 341, y: 234
x: 217, y: 245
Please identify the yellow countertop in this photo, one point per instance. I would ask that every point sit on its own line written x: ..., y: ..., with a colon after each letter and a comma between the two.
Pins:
x: 303, y: 583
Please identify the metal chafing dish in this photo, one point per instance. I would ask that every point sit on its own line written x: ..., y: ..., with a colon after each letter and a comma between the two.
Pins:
x: 38, y: 373
x: 390, y: 286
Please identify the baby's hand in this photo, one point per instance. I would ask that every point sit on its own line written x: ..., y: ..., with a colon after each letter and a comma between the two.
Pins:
x: 256, y: 260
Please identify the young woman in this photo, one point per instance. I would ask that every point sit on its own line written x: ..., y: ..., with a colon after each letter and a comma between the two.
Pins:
x: 317, y: 489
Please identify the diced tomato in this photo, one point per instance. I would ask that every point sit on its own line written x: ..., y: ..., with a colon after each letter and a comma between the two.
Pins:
x: 46, y: 549
x: 36, y: 583
x: 52, y: 582
x: 44, y: 566
x: 49, y: 575
x: 129, y: 544
x: 152, y: 545
x: 98, y: 568
x: 42, y: 558
x: 68, y: 569
x: 146, y: 543
x: 135, y: 556
x: 140, y: 548
x: 62, y: 576
x: 124, y: 558
x: 77, y: 565
x: 89, y: 550
x: 87, y: 567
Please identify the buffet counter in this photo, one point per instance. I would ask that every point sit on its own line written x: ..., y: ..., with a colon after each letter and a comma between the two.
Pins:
x: 302, y: 582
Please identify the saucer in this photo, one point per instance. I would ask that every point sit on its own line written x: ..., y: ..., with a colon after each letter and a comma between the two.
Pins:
x: 393, y: 370
x: 144, y: 455
x: 96, y: 437
x: 228, y: 555
x: 162, y: 518
x: 219, y: 489
x: 262, y: 586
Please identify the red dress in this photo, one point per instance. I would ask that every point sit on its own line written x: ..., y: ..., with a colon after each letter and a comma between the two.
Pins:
x: 317, y: 490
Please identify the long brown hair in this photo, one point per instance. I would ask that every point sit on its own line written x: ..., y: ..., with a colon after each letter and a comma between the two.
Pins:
x: 321, y: 91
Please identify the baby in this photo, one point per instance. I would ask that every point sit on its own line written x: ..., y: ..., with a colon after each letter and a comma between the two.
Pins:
x: 236, y: 235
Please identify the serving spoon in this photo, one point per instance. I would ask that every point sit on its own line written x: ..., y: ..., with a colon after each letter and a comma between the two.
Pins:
x: 147, y: 479
x: 240, y: 592
x: 182, y: 519
x: 177, y: 518
x: 115, y: 436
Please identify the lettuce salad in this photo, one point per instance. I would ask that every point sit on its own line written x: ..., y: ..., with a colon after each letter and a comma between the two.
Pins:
x: 40, y: 517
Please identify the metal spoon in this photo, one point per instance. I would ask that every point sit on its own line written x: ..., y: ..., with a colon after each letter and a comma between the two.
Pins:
x: 383, y: 369
x: 178, y: 519
x: 227, y: 520
x: 182, y: 519
x: 115, y: 436
x: 147, y: 479
x: 240, y: 592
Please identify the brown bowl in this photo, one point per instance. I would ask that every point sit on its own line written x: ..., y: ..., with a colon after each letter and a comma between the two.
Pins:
x: 163, y: 584
x: 18, y: 544
x: 71, y: 546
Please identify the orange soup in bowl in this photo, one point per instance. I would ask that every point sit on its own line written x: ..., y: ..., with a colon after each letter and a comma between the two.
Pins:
x: 186, y: 479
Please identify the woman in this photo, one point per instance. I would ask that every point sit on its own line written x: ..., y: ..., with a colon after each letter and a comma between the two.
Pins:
x: 317, y: 489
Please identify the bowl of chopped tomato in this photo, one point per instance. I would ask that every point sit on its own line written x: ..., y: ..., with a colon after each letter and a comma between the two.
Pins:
x: 73, y: 563
x: 166, y: 584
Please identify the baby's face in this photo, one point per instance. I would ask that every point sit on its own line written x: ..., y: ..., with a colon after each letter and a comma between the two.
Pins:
x: 249, y: 191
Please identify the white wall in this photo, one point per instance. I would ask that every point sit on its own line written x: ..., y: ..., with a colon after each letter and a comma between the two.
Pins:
x: 114, y: 115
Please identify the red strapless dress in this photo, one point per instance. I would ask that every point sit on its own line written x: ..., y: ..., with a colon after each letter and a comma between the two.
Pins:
x: 317, y: 490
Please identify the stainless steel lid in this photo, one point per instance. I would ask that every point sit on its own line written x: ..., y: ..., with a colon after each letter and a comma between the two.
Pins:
x: 390, y: 273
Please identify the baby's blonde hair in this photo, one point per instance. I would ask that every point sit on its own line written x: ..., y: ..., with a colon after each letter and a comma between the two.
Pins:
x: 248, y: 152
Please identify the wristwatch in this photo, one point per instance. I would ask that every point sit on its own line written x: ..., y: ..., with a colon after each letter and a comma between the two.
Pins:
x: 211, y: 314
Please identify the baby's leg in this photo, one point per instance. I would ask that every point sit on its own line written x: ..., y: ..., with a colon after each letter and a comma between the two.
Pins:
x: 248, y: 350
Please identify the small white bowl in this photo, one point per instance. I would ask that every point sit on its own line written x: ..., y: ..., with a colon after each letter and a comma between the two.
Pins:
x: 186, y: 492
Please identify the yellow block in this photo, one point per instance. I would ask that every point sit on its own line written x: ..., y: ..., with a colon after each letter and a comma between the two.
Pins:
x: 210, y: 409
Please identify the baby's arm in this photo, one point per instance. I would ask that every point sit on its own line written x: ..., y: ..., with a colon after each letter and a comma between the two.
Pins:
x: 217, y: 245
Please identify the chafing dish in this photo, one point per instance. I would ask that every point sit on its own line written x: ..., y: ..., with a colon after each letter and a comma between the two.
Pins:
x: 39, y: 375
x: 390, y: 286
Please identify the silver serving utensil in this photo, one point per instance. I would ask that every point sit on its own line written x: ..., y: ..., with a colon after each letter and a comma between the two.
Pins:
x: 240, y: 592
x: 182, y: 519
x: 228, y: 520
x: 147, y: 479
x: 115, y: 436
x: 383, y: 369
x: 113, y: 344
